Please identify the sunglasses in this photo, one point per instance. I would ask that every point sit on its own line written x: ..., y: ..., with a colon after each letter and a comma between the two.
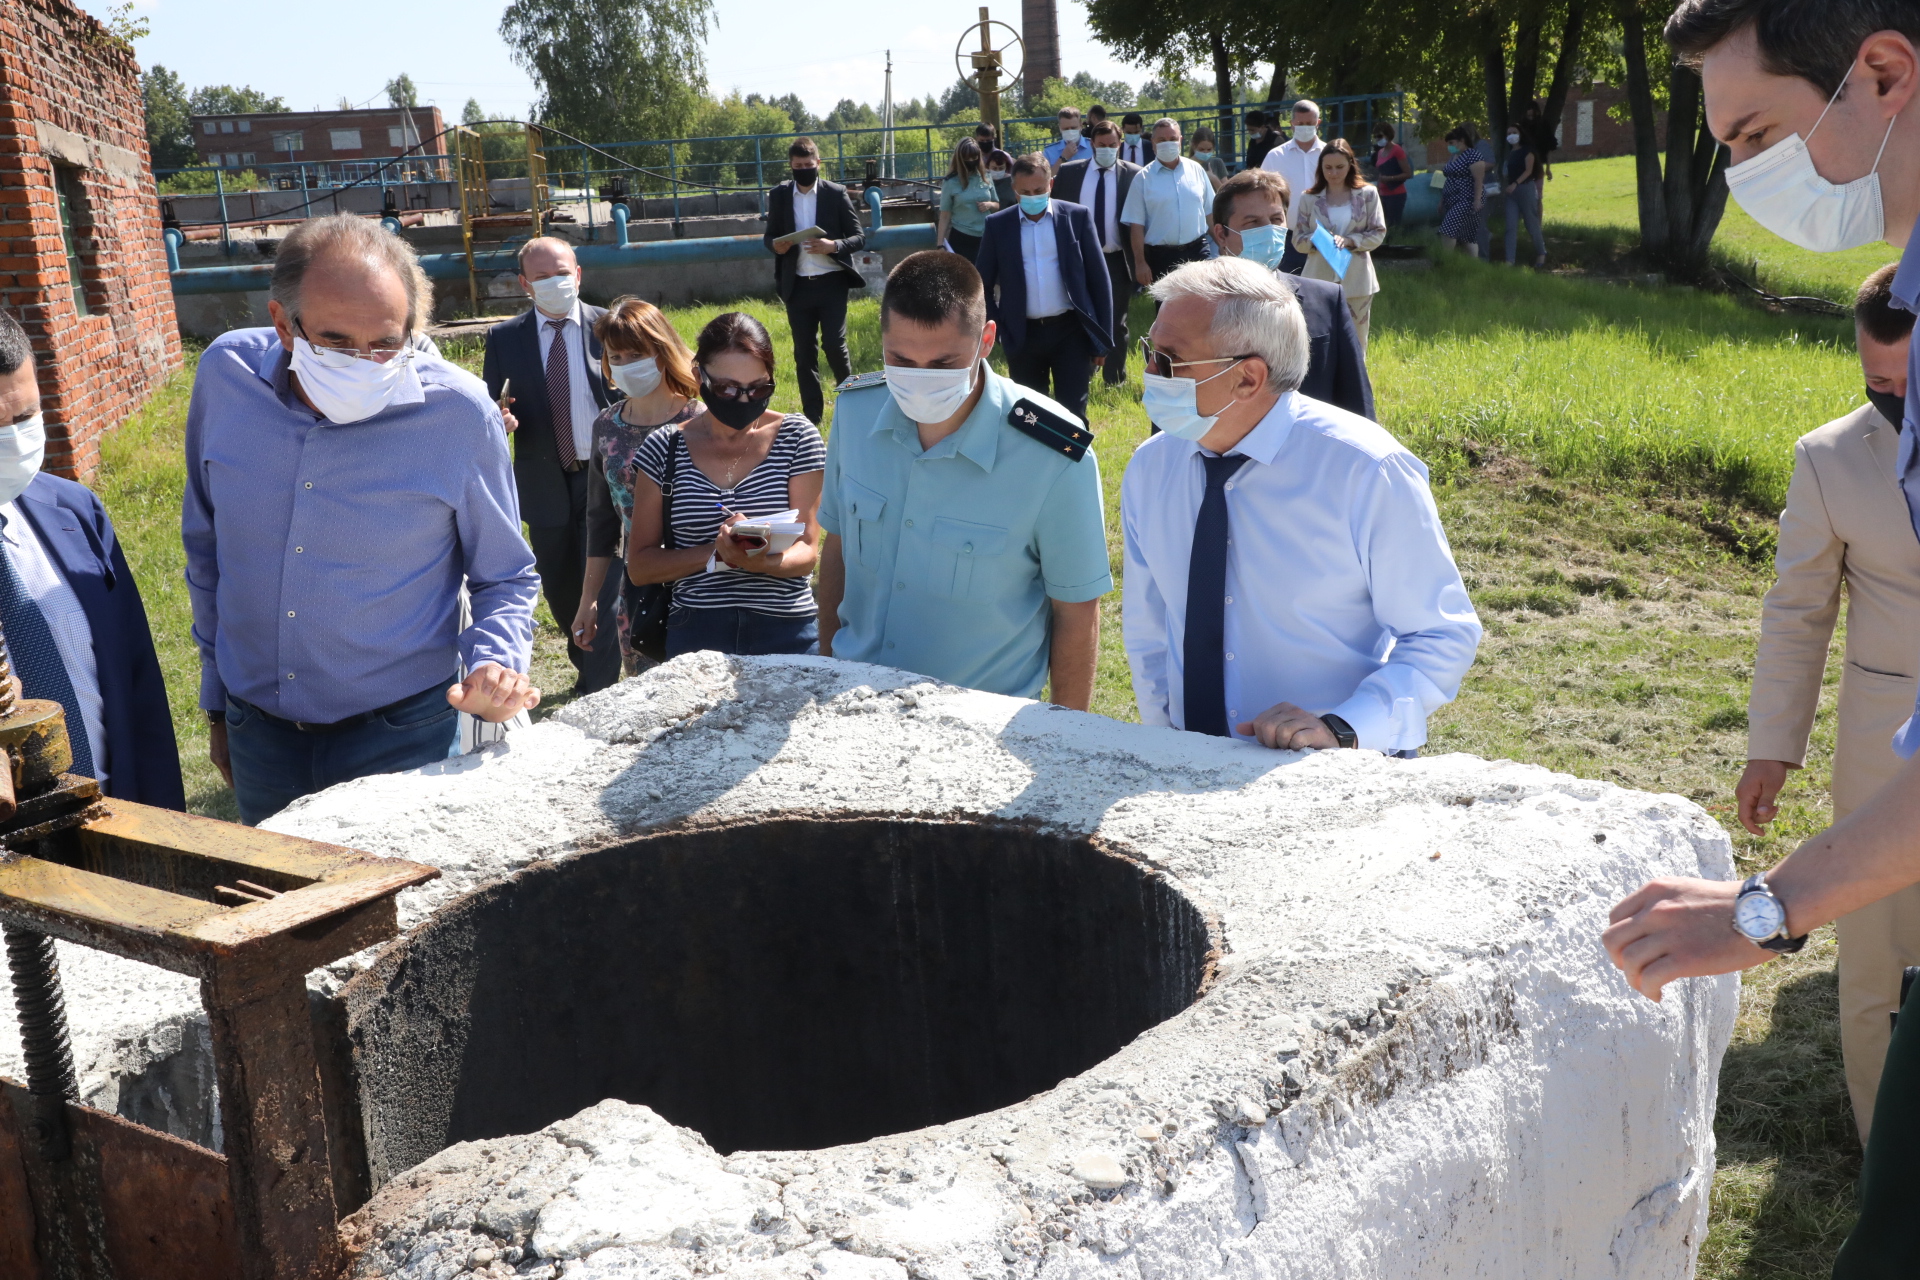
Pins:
x: 1162, y: 365
x: 736, y: 391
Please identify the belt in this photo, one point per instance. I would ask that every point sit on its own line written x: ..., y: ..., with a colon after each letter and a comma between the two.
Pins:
x: 571, y: 467
x: 340, y: 726
x: 1059, y: 318
x: 1198, y: 242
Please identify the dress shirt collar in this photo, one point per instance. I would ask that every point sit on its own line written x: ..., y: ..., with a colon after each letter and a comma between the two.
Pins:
x: 1263, y: 443
x: 1036, y: 223
x: 977, y: 440
x: 542, y: 319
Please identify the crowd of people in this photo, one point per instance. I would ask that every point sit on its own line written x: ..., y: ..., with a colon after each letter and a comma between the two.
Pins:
x: 367, y: 526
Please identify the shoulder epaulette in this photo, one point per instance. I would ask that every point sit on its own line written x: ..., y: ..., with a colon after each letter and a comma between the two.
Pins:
x: 1058, y: 431
x: 861, y: 381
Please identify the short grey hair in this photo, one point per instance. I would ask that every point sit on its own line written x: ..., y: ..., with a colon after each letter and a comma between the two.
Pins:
x: 1165, y: 122
x: 1254, y: 314
x: 349, y: 235
x: 520, y: 259
x: 1308, y: 104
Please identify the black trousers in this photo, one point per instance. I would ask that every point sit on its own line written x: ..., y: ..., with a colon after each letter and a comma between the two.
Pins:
x: 1123, y: 283
x: 963, y: 244
x: 818, y: 305
x: 1056, y: 359
x: 1162, y: 258
x: 560, y: 553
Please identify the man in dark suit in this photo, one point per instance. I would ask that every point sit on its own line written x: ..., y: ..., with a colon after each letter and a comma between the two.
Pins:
x: 1254, y: 199
x: 1261, y: 138
x: 1047, y: 288
x: 1135, y: 147
x: 1101, y: 183
x: 75, y: 627
x: 548, y: 362
x: 813, y: 279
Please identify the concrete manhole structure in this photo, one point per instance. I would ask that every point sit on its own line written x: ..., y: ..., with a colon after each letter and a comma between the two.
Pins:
x: 795, y: 968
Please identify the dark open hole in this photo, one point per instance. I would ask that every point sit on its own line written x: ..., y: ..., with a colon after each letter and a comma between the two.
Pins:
x: 779, y: 985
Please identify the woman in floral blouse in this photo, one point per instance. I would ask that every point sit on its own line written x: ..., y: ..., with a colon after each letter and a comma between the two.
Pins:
x: 642, y: 356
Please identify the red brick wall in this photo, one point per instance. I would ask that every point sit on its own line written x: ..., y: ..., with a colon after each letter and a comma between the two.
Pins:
x: 1610, y: 137
x: 68, y: 93
x: 317, y: 129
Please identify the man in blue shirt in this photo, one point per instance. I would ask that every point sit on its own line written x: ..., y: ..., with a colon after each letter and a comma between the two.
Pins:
x: 1070, y: 145
x: 1166, y: 208
x: 341, y: 486
x: 1817, y: 104
x: 965, y: 534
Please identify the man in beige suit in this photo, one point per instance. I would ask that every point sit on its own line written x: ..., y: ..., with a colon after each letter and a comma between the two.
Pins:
x: 1846, y: 519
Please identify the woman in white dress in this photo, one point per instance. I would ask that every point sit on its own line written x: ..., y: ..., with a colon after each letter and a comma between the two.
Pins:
x: 1349, y: 208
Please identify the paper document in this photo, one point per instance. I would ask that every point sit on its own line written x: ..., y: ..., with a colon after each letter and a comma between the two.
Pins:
x: 801, y: 236
x: 1337, y: 258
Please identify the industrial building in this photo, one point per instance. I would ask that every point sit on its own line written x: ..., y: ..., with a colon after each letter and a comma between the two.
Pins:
x: 334, y: 145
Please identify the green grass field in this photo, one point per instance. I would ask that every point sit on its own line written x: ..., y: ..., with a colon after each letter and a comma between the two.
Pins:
x: 1608, y: 459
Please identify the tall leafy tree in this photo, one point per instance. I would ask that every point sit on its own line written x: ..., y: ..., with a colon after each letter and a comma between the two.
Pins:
x: 613, y: 70
x: 401, y: 92
x: 226, y: 100
x: 1680, y: 208
x: 169, y: 131
x: 472, y: 112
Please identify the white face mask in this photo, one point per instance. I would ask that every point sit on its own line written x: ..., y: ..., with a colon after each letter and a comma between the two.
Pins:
x: 22, y: 446
x: 1069, y: 135
x: 1166, y: 152
x: 556, y: 295
x: 1513, y: 139
x: 1304, y: 134
x: 638, y: 377
x: 1783, y: 192
x: 348, y: 389
x: 996, y: 174
x: 929, y: 395
x: 1173, y: 404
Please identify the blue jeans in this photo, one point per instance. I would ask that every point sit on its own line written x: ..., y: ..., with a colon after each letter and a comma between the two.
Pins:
x: 1525, y: 203
x: 741, y: 631
x: 274, y: 763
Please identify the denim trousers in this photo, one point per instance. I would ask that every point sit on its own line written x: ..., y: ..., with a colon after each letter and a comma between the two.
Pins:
x: 1524, y: 203
x: 742, y: 631
x: 274, y: 763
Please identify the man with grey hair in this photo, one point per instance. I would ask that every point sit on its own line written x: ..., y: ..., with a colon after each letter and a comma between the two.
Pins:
x: 1166, y: 208
x: 1298, y: 161
x: 341, y: 484
x: 1333, y: 616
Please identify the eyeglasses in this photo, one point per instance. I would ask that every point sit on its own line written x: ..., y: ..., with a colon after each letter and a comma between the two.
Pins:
x: 1162, y: 365
x: 338, y: 357
x: 736, y: 391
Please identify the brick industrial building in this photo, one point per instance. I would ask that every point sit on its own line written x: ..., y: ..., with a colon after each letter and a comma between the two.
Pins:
x: 81, y: 262
x: 343, y: 144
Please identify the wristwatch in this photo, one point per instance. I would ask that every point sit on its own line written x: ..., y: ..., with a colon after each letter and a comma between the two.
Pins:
x: 1761, y: 918
x: 1343, y: 733
x: 216, y: 716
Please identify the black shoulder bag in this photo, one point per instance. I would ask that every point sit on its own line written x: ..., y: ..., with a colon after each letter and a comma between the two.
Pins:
x: 647, y: 604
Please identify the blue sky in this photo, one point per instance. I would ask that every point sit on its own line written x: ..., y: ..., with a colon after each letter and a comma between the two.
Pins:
x: 312, y: 53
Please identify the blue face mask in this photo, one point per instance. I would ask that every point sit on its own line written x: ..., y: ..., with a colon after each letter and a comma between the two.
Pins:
x: 1263, y: 245
x: 1034, y: 206
x: 1172, y: 404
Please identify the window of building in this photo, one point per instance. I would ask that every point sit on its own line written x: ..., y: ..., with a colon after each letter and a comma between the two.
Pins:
x: 291, y: 140
x: 1583, y: 124
x: 247, y: 158
x: 73, y: 223
x: 245, y: 126
x: 207, y: 126
x: 345, y: 139
x: 226, y: 126
x: 396, y: 136
x: 233, y: 161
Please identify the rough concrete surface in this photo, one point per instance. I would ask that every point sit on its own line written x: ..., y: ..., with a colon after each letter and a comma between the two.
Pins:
x: 1413, y: 1058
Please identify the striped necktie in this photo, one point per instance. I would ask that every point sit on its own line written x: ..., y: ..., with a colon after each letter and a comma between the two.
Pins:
x: 560, y: 394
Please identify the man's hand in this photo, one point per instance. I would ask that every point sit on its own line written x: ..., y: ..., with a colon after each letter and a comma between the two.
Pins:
x: 586, y: 622
x: 1755, y: 791
x: 494, y: 693
x: 506, y: 415
x: 1286, y: 727
x: 217, y: 749
x: 1068, y: 151
x: 823, y: 246
x: 1143, y: 275
x: 782, y: 248
x: 1678, y: 929
x: 1099, y: 362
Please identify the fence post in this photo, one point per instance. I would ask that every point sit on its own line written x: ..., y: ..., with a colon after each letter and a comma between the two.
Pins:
x: 759, y: 175
x: 673, y: 173
x: 220, y: 189
x: 840, y: 154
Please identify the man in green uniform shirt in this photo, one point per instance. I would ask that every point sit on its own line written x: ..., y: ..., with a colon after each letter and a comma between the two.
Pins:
x: 966, y: 538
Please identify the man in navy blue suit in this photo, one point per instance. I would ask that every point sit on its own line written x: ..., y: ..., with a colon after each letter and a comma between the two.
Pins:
x: 1047, y: 288
x: 76, y: 630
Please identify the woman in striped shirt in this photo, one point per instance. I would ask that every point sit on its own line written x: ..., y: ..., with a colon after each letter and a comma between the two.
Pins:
x: 736, y: 460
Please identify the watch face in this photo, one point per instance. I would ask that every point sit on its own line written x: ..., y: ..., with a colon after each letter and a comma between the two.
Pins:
x: 1758, y: 915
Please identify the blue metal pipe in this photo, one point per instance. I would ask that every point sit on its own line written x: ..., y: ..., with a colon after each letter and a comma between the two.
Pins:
x: 873, y: 209
x: 642, y: 253
x: 620, y: 216
x: 173, y: 238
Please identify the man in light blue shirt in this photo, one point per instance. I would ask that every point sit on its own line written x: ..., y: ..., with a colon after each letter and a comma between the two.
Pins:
x: 342, y: 484
x: 1070, y: 145
x: 1287, y: 578
x: 1166, y: 211
x: 966, y: 536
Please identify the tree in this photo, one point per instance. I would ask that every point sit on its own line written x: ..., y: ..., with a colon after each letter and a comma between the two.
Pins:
x: 401, y: 93
x: 169, y: 130
x: 225, y: 100
x: 1680, y: 209
x: 471, y: 113
x: 613, y: 70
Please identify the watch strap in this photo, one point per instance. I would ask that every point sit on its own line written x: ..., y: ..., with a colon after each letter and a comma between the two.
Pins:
x: 1343, y: 732
x: 1779, y: 943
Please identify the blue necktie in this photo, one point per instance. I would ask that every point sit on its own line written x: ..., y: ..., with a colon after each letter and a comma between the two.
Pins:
x: 1204, y: 665
x: 36, y: 659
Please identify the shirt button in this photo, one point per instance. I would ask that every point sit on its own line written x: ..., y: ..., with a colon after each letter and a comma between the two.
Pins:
x: 1229, y: 599
x: 1229, y: 657
x: 298, y: 550
x: 289, y: 675
x: 889, y: 644
x: 289, y: 613
x: 1229, y: 485
x: 899, y: 586
x: 909, y: 524
x: 309, y: 484
x: 968, y: 548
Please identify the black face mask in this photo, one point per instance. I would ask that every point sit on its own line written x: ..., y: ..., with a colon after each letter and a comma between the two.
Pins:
x: 738, y: 414
x: 1892, y: 407
x: 804, y: 177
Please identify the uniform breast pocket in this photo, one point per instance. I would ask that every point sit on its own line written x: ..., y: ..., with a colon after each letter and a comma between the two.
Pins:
x: 864, y: 506
x: 969, y: 559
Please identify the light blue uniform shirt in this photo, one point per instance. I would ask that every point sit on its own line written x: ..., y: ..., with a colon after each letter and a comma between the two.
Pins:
x: 1906, y: 294
x: 953, y: 553
x: 1171, y: 205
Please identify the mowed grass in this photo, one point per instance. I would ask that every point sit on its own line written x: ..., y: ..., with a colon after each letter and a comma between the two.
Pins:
x: 1606, y: 467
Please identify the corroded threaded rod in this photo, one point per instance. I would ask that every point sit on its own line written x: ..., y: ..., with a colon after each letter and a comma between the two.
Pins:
x: 43, y: 1014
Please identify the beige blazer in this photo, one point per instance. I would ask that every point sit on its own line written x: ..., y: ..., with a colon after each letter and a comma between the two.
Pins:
x: 1366, y: 229
x: 1846, y: 519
